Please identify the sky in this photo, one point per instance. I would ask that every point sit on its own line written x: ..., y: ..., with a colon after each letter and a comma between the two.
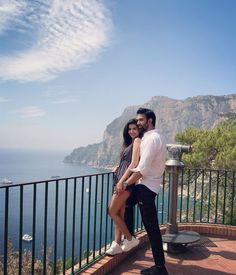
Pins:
x: 68, y: 68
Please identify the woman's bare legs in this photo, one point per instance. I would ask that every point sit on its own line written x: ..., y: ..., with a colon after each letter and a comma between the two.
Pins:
x: 116, y: 211
x: 117, y: 235
x: 117, y: 230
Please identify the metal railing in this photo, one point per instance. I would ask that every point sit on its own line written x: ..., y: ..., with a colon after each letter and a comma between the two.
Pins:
x: 68, y: 222
x: 210, y: 196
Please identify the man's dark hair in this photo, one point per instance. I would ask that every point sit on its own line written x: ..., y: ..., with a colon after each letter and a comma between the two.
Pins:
x: 148, y: 113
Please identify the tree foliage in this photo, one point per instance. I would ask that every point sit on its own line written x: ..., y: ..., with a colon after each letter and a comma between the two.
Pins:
x: 214, y: 148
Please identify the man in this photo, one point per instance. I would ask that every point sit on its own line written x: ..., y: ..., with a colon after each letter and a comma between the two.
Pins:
x: 147, y: 176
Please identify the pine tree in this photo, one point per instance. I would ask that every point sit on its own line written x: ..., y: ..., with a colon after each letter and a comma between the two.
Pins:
x: 214, y: 148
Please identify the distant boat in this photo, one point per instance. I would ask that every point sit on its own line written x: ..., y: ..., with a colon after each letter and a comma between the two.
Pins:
x: 87, y: 190
x: 6, y: 181
x: 55, y: 177
x: 27, y: 238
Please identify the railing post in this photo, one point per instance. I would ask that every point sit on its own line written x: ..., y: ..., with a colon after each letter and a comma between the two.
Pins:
x: 176, y: 239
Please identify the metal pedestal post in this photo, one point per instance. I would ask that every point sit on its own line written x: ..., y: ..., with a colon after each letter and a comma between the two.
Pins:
x: 176, y: 240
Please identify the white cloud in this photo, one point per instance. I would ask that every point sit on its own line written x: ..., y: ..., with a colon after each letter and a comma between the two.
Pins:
x: 11, y: 11
x: 69, y: 34
x: 31, y: 111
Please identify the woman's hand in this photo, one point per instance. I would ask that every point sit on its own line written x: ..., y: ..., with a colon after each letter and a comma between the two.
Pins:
x: 119, y: 188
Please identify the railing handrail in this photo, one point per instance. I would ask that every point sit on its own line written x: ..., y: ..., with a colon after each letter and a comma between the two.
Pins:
x: 53, y: 180
x: 96, y: 174
x: 209, y: 169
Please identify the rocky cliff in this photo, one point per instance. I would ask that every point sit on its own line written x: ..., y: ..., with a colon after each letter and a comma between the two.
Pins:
x: 172, y: 116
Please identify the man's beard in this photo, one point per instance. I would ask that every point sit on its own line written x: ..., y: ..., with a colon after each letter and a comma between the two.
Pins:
x: 142, y: 130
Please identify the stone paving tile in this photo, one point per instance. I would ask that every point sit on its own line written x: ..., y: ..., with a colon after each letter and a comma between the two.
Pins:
x: 214, y: 256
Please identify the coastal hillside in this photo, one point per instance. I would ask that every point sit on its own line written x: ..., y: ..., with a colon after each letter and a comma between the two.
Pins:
x: 173, y: 116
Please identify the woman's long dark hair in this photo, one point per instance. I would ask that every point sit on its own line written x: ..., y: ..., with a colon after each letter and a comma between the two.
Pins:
x: 127, y: 140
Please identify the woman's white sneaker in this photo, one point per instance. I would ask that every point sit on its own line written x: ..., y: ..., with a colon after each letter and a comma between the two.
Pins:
x: 114, y: 249
x: 128, y: 245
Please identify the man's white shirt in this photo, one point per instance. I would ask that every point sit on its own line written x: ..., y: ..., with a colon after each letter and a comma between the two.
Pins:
x: 152, y: 160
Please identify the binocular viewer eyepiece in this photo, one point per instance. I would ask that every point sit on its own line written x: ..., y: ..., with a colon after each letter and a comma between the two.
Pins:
x: 181, y: 147
x: 175, y: 152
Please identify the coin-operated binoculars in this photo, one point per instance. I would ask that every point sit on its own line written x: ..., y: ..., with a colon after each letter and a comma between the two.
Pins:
x: 176, y: 240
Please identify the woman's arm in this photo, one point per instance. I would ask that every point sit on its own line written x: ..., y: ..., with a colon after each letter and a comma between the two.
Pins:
x: 115, y: 168
x: 134, y: 161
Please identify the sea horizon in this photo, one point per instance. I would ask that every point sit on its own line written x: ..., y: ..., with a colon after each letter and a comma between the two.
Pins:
x: 25, y: 165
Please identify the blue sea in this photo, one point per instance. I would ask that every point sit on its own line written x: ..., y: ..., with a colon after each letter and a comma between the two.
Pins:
x: 21, y: 166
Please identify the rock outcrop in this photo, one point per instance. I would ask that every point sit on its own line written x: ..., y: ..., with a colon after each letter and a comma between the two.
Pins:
x: 173, y: 116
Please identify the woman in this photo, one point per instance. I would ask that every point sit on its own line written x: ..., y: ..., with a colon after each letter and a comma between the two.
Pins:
x: 129, y: 159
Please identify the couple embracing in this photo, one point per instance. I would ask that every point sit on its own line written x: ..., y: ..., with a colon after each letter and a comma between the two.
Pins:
x: 138, y: 180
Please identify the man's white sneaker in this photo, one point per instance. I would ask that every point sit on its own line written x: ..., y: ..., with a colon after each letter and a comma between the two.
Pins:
x: 114, y: 249
x: 128, y: 245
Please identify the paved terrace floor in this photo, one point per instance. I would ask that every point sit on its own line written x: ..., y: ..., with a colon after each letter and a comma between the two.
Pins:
x: 214, y: 256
